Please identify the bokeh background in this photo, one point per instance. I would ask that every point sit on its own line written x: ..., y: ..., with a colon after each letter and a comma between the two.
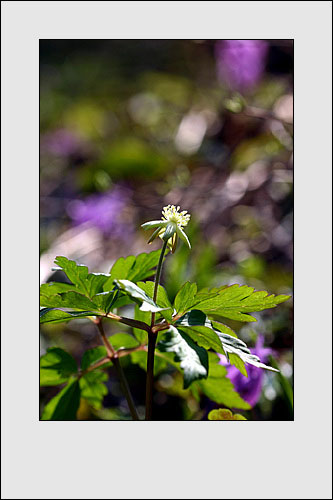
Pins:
x: 128, y: 126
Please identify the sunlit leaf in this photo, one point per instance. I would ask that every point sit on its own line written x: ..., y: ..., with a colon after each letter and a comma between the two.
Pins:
x: 235, y: 301
x: 56, y: 366
x: 224, y: 414
x: 193, y: 359
x: 65, y: 404
x: 147, y: 304
x: 49, y: 315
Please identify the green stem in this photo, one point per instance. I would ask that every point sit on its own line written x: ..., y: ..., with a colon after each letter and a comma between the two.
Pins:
x: 112, y: 355
x: 152, y: 336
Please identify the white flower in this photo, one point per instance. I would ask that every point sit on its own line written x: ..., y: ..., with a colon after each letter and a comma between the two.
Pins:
x: 170, y: 226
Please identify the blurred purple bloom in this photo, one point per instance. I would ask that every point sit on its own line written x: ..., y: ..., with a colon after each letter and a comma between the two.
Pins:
x: 62, y: 142
x: 240, y: 63
x: 106, y: 211
x: 249, y: 387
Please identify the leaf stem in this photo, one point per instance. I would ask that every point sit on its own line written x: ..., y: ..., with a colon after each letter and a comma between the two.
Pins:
x: 112, y: 355
x: 152, y: 336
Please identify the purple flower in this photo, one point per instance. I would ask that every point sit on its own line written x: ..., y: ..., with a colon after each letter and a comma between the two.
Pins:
x: 249, y: 387
x: 106, y: 211
x: 240, y: 63
x: 62, y: 142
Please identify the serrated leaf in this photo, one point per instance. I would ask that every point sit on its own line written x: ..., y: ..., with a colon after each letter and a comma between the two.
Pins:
x: 219, y: 388
x: 217, y: 336
x: 65, y: 404
x: 86, y: 283
x: 133, y: 268
x: 235, y: 301
x: 72, y: 300
x: 56, y: 366
x: 52, y: 288
x: 92, y: 387
x: 49, y: 315
x: 147, y: 304
x: 193, y: 359
x: 106, y: 301
x: 224, y: 414
x: 162, y: 297
x: 185, y: 297
x: 93, y: 355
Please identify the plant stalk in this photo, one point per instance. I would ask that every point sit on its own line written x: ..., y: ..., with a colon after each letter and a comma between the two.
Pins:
x: 112, y: 355
x: 152, y: 337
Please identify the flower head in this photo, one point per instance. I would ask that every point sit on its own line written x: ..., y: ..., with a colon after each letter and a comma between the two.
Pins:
x: 170, y: 226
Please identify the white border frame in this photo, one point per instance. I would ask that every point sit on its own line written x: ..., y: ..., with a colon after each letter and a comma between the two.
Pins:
x: 134, y: 460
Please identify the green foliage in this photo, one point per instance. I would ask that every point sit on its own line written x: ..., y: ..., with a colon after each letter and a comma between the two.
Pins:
x: 140, y: 358
x: 217, y: 336
x: 72, y: 300
x: 93, y: 355
x: 185, y: 298
x: 56, y: 366
x: 219, y: 388
x: 123, y: 340
x: 234, y: 302
x: 49, y: 315
x: 133, y: 268
x: 92, y: 387
x: 224, y: 414
x: 144, y: 316
x: 147, y: 303
x: 191, y: 333
x: 88, y: 284
x: 193, y: 359
x: 65, y: 404
x: 162, y: 298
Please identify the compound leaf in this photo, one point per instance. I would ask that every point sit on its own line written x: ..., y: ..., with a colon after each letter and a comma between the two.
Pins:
x: 49, y: 315
x: 235, y: 302
x: 65, y: 404
x: 147, y: 303
x: 56, y: 366
x: 193, y: 359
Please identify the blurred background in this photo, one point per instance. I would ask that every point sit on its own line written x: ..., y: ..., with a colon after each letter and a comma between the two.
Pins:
x: 128, y: 126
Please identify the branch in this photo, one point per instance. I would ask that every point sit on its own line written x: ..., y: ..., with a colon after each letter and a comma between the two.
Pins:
x: 112, y: 356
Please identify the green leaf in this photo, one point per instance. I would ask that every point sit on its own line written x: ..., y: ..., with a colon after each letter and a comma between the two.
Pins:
x: 65, y: 404
x: 49, y: 315
x: 185, y: 297
x: 141, y: 335
x: 56, y: 366
x: 93, y: 355
x: 88, y: 284
x: 235, y: 301
x: 219, y: 388
x: 93, y: 389
x: 140, y: 358
x: 193, y: 359
x: 137, y: 293
x: 133, y: 268
x: 73, y: 300
x: 217, y: 336
x: 224, y: 414
x: 162, y: 297
x: 49, y: 289
x: 106, y: 301
x: 123, y: 340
